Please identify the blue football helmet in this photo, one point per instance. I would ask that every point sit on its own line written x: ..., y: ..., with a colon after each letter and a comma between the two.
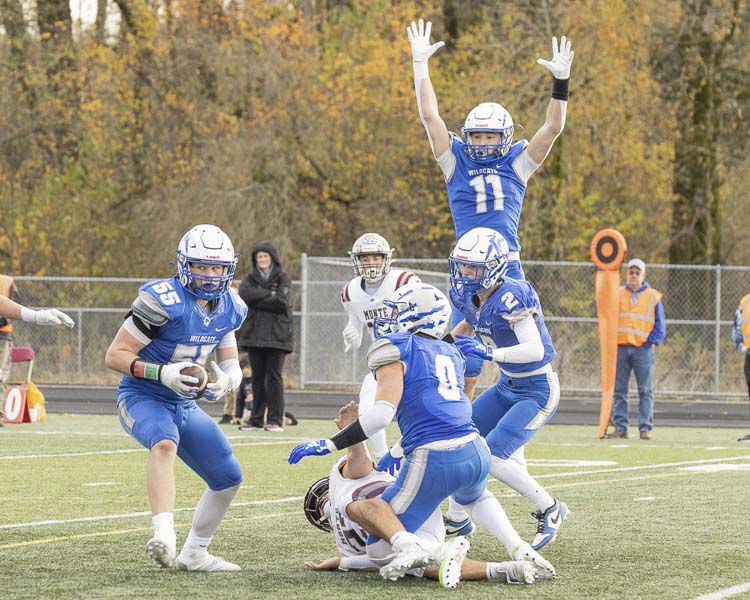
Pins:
x: 207, y: 245
x: 416, y: 308
x: 488, y: 117
x: 479, y: 260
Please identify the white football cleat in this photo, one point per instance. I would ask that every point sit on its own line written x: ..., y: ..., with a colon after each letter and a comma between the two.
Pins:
x: 409, y: 555
x: 198, y: 559
x: 514, y: 571
x: 162, y: 548
x: 544, y: 568
x: 451, y: 555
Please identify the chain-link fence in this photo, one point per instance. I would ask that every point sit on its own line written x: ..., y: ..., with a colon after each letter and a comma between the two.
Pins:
x: 697, y: 358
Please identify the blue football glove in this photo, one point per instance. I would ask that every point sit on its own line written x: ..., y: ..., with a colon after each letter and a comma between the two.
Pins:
x: 473, y: 347
x: 319, y: 448
x: 389, y: 463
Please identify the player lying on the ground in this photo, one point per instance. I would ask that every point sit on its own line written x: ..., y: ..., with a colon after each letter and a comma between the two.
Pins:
x: 420, y: 381
x: 332, y: 502
x: 47, y: 316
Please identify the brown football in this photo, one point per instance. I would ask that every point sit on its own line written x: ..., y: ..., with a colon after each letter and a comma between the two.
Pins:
x: 200, y: 373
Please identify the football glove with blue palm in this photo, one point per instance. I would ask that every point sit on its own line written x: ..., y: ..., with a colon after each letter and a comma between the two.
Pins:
x: 471, y: 346
x: 391, y: 461
x: 317, y: 448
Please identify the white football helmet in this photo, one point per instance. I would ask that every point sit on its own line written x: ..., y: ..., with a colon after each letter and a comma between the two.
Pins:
x: 371, y: 244
x: 206, y: 244
x: 478, y: 261
x: 416, y: 308
x: 488, y: 116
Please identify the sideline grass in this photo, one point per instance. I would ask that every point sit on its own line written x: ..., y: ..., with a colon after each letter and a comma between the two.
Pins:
x: 669, y: 532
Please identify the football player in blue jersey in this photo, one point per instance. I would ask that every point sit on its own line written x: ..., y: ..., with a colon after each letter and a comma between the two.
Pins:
x: 506, y: 316
x: 420, y: 381
x: 174, y: 324
x: 485, y: 171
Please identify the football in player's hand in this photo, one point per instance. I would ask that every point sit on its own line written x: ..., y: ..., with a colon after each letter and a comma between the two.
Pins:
x: 199, y: 373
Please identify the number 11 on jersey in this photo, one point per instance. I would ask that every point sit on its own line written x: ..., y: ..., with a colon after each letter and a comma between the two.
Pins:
x: 479, y: 183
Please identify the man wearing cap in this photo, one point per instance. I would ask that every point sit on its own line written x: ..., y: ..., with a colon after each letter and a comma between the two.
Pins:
x: 640, y: 327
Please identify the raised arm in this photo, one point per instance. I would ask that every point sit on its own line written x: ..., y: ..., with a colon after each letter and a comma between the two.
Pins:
x: 421, y: 50
x: 554, y: 122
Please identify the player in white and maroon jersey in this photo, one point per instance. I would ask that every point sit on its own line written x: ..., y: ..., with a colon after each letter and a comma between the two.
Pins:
x: 332, y: 503
x: 362, y: 299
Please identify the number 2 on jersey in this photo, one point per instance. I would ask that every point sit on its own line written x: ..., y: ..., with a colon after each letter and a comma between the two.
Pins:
x: 479, y: 183
x: 447, y: 380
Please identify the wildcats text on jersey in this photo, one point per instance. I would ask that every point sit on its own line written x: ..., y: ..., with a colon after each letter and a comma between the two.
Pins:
x: 204, y: 339
x: 483, y: 171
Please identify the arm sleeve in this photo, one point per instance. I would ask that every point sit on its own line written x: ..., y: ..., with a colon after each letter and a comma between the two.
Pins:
x: 228, y: 341
x: 524, y: 166
x: 356, y: 563
x: 447, y: 162
x: 529, y: 348
x: 657, y: 334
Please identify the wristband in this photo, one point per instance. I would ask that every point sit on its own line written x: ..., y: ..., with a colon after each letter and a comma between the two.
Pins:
x: 349, y: 436
x: 448, y: 338
x: 141, y: 369
x: 560, y: 88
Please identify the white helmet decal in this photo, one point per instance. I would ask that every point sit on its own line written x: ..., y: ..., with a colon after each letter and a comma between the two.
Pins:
x: 417, y: 308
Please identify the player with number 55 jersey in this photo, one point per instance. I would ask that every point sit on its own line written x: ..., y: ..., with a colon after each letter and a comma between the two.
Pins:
x: 173, y: 325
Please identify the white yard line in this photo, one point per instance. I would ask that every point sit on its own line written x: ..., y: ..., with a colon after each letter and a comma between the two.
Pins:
x: 726, y: 593
x: 125, y: 451
x: 139, y: 514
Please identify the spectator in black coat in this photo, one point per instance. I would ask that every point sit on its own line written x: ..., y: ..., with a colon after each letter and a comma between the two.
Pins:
x: 266, y: 334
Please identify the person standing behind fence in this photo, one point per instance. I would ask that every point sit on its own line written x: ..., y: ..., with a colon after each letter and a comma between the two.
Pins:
x: 641, y: 327
x: 266, y: 334
x: 741, y: 338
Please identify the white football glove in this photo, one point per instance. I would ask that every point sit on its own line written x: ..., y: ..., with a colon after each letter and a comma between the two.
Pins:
x: 47, y: 316
x: 183, y: 385
x: 562, y: 58
x: 419, y: 38
x: 352, y: 337
x: 220, y: 387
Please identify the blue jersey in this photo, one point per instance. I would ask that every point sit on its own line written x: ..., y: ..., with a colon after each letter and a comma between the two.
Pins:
x: 512, y: 301
x: 433, y: 405
x: 486, y: 194
x: 184, y: 330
